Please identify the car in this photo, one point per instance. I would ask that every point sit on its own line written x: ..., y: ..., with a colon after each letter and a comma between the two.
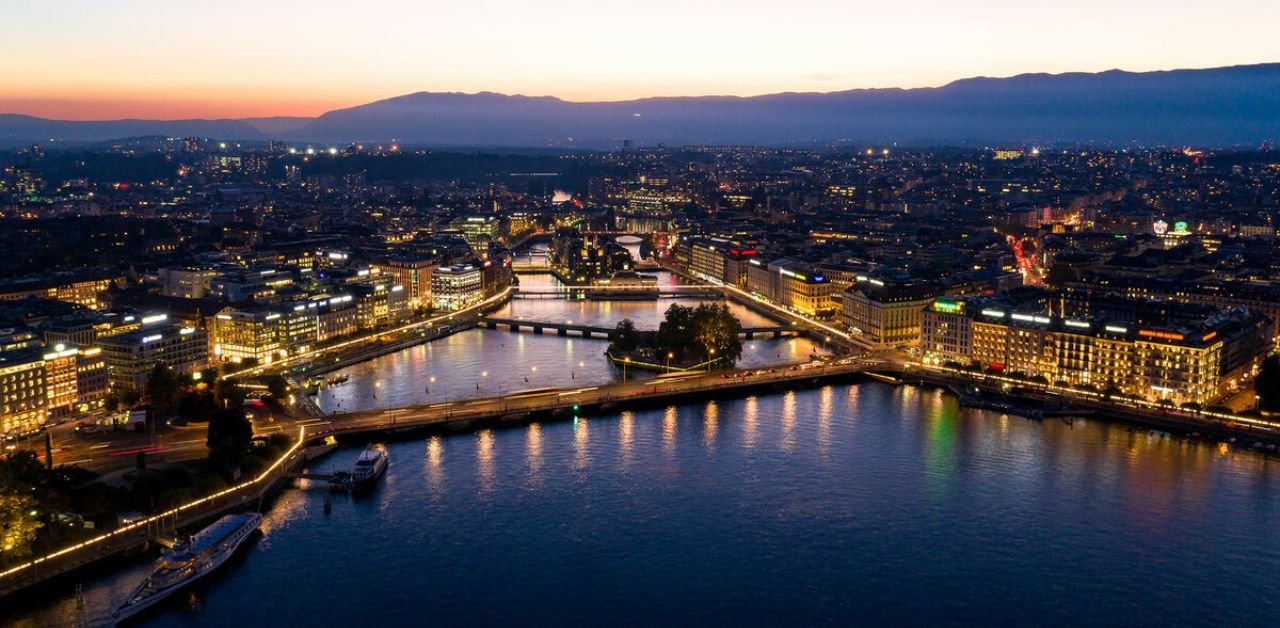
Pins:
x: 88, y: 428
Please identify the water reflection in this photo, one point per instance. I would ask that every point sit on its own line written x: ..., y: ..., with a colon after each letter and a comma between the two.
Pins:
x: 749, y: 420
x: 435, y: 464
x: 826, y: 400
x: 626, y: 426
x: 710, y: 425
x: 787, y: 441
x: 533, y: 452
x: 581, y: 441
x: 669, y: 430
x: 484, y: 459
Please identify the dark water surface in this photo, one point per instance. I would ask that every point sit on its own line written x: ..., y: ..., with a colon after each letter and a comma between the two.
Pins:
x: 848, y: 504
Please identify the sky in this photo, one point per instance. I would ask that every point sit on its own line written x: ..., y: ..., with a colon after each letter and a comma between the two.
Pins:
x: 174, y: 59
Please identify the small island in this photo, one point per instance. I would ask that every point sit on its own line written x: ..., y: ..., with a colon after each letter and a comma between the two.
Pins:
x: 705, y: 337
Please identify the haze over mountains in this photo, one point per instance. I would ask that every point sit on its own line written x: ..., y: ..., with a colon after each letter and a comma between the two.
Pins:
x: 1209, y: 107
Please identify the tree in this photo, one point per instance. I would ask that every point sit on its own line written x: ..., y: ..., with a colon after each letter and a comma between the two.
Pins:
x: 228, y: 393
x: 277, y: 387
x: 675, y: 333
x: 19, y: 528
x: 163, y: 389
x: 625, y: 336
x: 716, y: 333
x: 228, y: 438
x: 1267, y: 385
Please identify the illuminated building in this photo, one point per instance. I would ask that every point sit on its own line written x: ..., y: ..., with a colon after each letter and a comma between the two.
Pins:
x: 186, y: 283
x: 414, y: 273
x: 131, y: 356
x: 253, y: 284
x: 91, y: 379
x: 240, y: 335
x: 791, y: 285
x: 580, y: 259
x: 61, y: 379
x: 336, y: 315
x: 381, y: 303
x: 887, y: 313
x: 1179, y: 363
x: 457, y: 287
x: 22, y: 391
x: 479, y: 230
x: 80, y: 288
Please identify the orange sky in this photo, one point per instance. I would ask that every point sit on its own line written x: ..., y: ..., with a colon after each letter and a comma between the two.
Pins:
x: 76, y: 59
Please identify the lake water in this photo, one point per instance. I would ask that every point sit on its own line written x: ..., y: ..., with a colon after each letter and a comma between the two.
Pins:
x: 846, y: 504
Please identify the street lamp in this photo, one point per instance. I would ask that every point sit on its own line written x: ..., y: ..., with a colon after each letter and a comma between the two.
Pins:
x: 669, y: 356
x: 625, y: 362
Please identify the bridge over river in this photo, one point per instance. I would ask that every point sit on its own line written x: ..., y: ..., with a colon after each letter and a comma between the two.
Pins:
x: 590, y: 331
x: 564, y: 402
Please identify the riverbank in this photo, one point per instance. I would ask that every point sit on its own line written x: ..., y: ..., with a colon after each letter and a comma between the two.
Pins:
x: 1033, y: 403
x: 52, y: 567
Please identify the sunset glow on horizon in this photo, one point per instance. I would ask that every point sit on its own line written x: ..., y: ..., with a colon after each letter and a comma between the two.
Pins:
x: 165, y: 60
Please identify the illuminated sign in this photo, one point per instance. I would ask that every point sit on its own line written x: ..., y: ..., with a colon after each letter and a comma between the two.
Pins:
x: 1209, y: 336
x: 1026, y: 318
x: 993, y: 313
x: 187, y: 330
x: 1076, y: 324
x: 1160, y: 227
x: 1163, y: 335
x: 1180, y: 228
x: 1117, y: 330
x: 948, y: 307
x: 147, y: 320
x: 153, y: 338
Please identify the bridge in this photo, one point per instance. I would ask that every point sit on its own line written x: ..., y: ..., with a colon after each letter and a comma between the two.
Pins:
x: 553, y: 403
x: 590, y: 331
x: 621, y: 291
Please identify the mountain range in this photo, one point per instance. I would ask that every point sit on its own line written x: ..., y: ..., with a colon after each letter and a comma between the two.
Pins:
x: 1238, y: 105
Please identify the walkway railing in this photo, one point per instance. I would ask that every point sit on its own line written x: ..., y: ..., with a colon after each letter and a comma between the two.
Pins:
x: 137, y: 532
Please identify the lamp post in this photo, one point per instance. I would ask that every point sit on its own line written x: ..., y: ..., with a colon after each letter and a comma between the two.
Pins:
x: 669, y: 356
x: 625, y: 362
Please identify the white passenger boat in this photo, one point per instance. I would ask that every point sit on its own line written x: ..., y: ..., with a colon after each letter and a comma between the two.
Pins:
x: 189, y: 560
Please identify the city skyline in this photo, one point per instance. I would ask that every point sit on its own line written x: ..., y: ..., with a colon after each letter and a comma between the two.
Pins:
x: 141, y: 59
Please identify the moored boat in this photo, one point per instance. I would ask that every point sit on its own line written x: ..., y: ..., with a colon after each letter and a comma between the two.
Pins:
x: 189, y: 560
x: 370, y: 466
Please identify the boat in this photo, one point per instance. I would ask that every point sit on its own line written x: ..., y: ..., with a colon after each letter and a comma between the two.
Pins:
x: 340, y: 379
x: 189, y: 560
x: 370, y: 466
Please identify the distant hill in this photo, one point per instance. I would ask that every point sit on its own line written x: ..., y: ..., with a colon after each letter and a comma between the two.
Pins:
x: 1221, y: 106
x: 20, y: 129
